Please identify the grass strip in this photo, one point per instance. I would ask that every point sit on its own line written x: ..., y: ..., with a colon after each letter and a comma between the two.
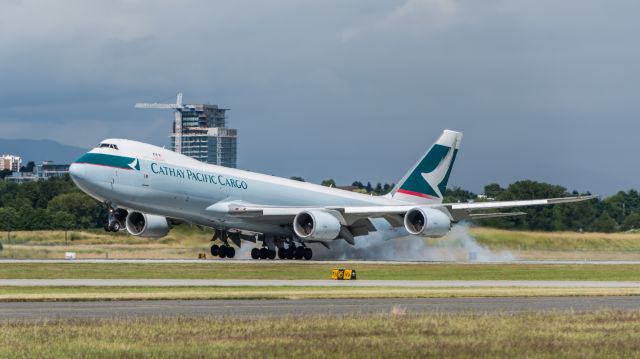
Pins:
x: 556, y: 241
x: 606, y: 334
x: 301, y: 270
x: 18, y: 294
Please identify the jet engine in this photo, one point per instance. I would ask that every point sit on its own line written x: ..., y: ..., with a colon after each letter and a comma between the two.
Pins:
x: 428, y: 222
x: 147, y: 225
x: 320, y: 225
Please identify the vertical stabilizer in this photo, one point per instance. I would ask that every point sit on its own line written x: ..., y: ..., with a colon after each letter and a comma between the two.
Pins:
x: 427, y: 180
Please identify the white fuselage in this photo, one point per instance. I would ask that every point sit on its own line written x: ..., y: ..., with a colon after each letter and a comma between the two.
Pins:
x: 150, y: 179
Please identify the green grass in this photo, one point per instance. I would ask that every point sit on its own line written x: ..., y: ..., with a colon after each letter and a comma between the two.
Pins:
x: 182, y: 242
x: 393, y: 335
x: 186, y: 242
x: 301, y: 270
x: 557, y: 241
x: 48, y: 294
x: 182, y: 234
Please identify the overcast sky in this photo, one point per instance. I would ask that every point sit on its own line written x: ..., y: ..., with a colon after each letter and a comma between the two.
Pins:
x: 543, y: 90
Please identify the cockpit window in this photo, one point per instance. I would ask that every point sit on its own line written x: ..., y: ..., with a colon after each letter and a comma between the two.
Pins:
x: 108, y: 145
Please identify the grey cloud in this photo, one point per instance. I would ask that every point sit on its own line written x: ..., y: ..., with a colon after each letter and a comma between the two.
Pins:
x: 351, y: 90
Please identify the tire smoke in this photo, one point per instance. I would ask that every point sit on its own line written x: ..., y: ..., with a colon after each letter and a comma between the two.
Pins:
x: 396, y: 245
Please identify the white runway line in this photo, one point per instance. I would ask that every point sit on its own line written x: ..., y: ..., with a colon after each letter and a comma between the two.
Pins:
x: 313, y: 283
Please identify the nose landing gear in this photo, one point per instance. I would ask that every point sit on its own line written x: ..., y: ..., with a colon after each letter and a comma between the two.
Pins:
x: 117, y: 217
x: 113, y: 226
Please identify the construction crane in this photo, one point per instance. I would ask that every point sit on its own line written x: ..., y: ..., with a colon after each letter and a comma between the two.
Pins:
x: 178, y: 107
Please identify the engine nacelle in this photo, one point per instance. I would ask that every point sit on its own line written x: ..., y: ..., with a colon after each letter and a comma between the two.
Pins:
x: 320, y: 225
x: 147, y: 225
x: 428, y: 222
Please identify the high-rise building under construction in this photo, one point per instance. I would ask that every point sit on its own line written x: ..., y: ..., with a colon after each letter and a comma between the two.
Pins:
x: 200, y: 131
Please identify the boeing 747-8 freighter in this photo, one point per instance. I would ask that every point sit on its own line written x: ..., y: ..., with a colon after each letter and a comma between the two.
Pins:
x: 148, y: 188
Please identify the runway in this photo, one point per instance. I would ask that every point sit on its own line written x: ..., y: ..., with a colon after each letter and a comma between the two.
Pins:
x: 313, y: 283
x: 336, y: 261
x: 278, y: 308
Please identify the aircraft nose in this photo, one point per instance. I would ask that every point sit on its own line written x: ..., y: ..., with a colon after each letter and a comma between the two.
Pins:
x: 76, y: 171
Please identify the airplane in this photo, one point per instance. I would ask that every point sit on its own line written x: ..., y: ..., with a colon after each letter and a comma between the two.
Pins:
x: 147, y: 189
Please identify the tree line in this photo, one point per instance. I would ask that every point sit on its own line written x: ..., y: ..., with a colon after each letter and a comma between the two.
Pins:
x: 52, y: 204
x: 379, y: 189
x: 620, y: 212
x: 58, y: 204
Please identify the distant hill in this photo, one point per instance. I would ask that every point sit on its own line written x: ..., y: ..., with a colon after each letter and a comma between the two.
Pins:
x: 40, y: 150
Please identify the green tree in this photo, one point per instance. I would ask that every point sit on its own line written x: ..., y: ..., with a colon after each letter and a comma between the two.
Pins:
x: 493, y: 190
x: 576, y: 216
x: 632, y: 221
x: 537, y: 218
x: 24, y: 213
x: 457, y: 194
x: 62, y: 220
x: 5, y: 173
x: 558, y: 219
x: 86, y: 211
x: 53, y: 187
x: 328, y: 183
x: 605, y: 223
x: 8, y: 219
x: 297, y: 178
x: 358, y: 184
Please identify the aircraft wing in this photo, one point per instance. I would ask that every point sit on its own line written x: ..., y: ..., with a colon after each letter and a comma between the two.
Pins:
x: 461, y: 211
x: 351, y: 214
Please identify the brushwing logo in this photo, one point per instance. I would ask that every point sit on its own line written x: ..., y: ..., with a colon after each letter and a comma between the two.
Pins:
x: 135, y: 165
x: 434, y: 169
x: 435, y: 177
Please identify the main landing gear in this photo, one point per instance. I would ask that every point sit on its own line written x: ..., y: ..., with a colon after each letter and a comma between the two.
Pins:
x: 263, y: 253
x: 291, y: 252
x: 223, y: 251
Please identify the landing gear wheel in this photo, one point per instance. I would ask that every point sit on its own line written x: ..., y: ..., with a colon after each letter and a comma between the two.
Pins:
x: 272, y: 254
x: 308, y: 253
x: 291, y: 252
x: 231, y: 252
x: 255, y: 253
x: 282, y: 253
x: 223, y: 251
x: 299, y: 253
x: 106, y: 227
x: 215, y: 250
x: 114, y: 226
x: 264, y: 253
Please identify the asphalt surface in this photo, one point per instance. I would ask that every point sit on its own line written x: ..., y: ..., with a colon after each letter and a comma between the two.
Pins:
x: 314, y: 283
x: 346, y: 262
x: 277, y: 308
